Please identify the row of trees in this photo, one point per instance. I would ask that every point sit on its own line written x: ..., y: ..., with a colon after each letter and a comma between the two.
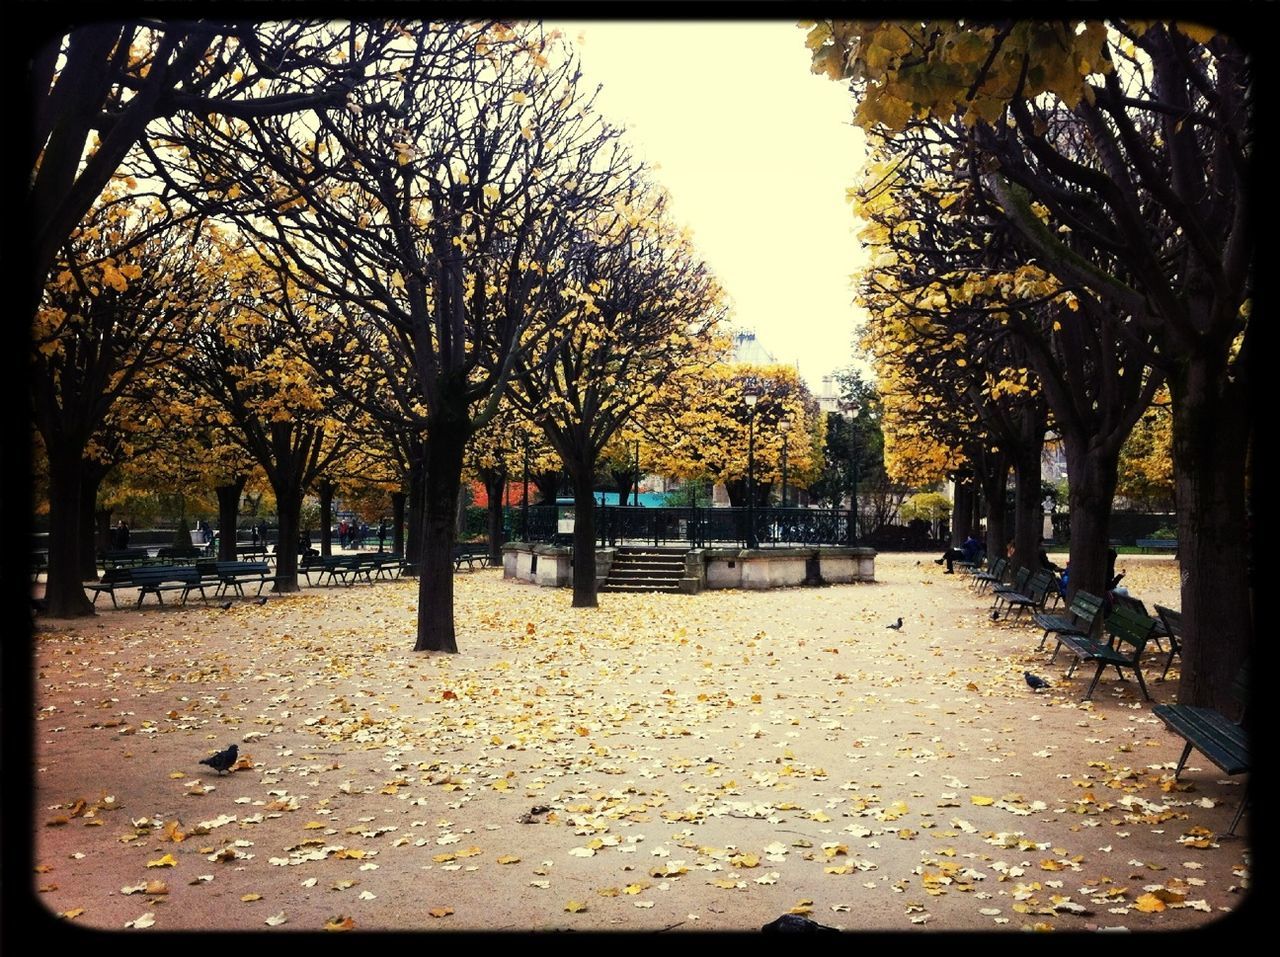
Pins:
x: 377, y: 254
x: 1061, y: 217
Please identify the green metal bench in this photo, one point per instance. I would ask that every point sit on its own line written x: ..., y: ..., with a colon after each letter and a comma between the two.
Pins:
x: 1127, y: 633
x: 994, y: 574
x: 1081, y: 618
x: 1037, y: 591
x: 112, y: 578
x: 1217, y: 737
x: 157, y: 579
x: 235, y: 575
x: 1172, y: 621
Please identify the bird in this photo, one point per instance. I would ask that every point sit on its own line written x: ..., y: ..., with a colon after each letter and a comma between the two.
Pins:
x: 796, y: 924
x: 995, y: 615
x: 262, y: 600
x: 226, y: 606
x: 1034, y: 682
x: 896, y: 625
x: 223, y: 760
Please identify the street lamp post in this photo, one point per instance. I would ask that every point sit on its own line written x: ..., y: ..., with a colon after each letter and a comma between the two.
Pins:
x: 751, y: 395
x: 784, y: 424
x: 636, y: 491
x: 849, y: 411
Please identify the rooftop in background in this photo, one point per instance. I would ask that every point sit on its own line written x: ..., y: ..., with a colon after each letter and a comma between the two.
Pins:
x: 747, y: 348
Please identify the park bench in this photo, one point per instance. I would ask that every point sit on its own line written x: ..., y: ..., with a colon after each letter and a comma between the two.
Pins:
x: 112, y: 578
x: 1213, y: 734
x: 235, y: 575
x: 178, y: 554
x: 1157, y: 544
x: 1124, y: 598
x: 124, y: 557
x: 994, y: 574
x: 386, y: 564
x: 1018, y: 586
x: 157, y: 579
x: 365, y: 566
x: 1172, y: 621
x: 470, y: 554
x: 333, y: 567
x: 1127, y: 633
x: 1080, y: 620
x: 1037, y: 592
x: 39, y: 564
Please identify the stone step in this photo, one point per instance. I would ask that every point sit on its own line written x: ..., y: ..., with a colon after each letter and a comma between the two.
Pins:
x: 615, y: 586
x: 666, y: 568
x: 642, y: 574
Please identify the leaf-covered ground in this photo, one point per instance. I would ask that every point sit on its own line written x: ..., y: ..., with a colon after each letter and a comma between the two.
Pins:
x: 705, y: 762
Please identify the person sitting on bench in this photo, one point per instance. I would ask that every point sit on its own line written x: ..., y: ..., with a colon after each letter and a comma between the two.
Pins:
x: 970, y: 551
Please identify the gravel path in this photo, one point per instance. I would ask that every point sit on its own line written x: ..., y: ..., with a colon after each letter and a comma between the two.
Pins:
x: 664, y: 762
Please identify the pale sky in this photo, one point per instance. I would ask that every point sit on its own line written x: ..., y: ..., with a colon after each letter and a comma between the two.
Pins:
x: 756, y: 153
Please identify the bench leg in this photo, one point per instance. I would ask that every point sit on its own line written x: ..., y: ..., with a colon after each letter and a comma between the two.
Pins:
x: 1186, y: 753
x: 1239, y: 812
x: 1168, y: 663
x: 1137, y: 670
x: 1102, y: 666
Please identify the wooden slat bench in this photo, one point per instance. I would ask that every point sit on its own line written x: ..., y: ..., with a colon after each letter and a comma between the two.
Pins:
x: 1037, y: 591
x: 1172, y: 621
x: 1128, y: 633
x: 235, y: 575
x: 157, y: 579
x: 333, y: 567
x: 994, y: 575
x: 470, y: 555
x: 124, y: 557
x: 112, y: 578
x: 1157, y: 544
x: 1080, y: 620
x: 1217, y: 737
x: 1021, y: 579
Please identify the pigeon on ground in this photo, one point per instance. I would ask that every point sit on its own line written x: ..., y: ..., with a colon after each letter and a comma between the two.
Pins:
x: 1034, y: 682
x: 896, y: 625
x: 796, y: 924
x: 995, y: 616
x: 262, y: 600
x: 223, y: 760
x: 226, y: 606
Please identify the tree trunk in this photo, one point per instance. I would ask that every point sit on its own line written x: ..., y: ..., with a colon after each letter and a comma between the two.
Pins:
x: 993, y: 477
x: 64, y: 589
x: 494, y: 484
x: 416, y: 529
x: 325, y: 491
x: 1028, y: 512
x: 289, y: 513
x: 442, y: 484
x: 962, y: 510
x: 101, y: 534
x: 228, y: 514
x: 1210, y: 453
x: 584, y: 534
x: 89, y: 482
x: 397, y: 523
x: 1092, y: 472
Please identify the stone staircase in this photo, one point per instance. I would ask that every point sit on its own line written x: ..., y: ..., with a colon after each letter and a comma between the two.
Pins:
x: 644, y: 569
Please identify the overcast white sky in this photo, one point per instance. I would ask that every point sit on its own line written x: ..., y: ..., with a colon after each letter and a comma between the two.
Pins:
x: 757, y: 153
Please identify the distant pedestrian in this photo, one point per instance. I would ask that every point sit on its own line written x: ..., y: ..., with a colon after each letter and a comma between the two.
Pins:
x: 122, y: 535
